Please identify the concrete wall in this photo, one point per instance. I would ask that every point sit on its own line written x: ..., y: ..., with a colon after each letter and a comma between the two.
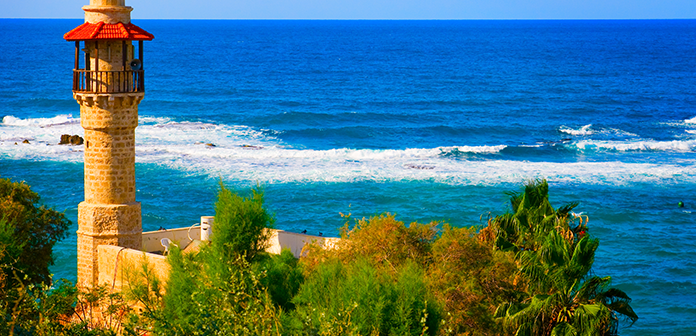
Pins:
x: 296, y: 241
x: 180, y: 236
x: 118, y: 265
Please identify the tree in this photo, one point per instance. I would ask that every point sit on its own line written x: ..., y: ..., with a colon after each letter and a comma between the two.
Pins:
x: 471, y: 280
x: 214, y: 291
x: 36, y: 228
x: 555, y: 256
x: 531, y: 219
x: 240, y: 224
x: 567, y: 301
x: 372, y: 283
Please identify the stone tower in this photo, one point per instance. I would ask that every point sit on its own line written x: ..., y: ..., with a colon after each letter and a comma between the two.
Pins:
x: 109, y: 86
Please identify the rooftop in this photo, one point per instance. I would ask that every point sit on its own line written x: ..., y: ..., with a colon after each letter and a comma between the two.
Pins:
x: 105, y: 31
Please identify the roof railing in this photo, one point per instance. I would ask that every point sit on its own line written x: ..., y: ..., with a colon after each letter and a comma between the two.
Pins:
x: 91, y: 81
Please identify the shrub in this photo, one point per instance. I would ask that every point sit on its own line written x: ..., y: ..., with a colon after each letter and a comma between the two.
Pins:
x: 282, y: 277
x: 471, y: 279
x: 360, y: 299
x: 35, y: 230
x: 240, y: 224
x: 215, y: 291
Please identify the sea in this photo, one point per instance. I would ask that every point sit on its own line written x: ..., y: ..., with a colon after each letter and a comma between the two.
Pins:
x: 428, y: 120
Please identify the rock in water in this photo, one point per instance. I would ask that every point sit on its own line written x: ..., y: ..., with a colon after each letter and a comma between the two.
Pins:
x: 64, y: 139
x: 25, y: 141
x: 76, y: 140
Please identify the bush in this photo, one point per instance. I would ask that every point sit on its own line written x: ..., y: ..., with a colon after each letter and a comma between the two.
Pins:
x: 240, y: 224
x: 35, y: 230
x: 360, y: 299
x: 215, y: 291
x: 471, y: 280
x: 281, y: 276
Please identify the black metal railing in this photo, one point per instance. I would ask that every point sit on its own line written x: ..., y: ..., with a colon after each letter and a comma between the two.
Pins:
x: 90, y: 81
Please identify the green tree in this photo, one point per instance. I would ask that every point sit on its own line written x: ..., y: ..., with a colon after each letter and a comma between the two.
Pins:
x: 35, y: 230
x: 214, y: 291
x: 567, y: 300
x: 361, y: 298
x: 373, y: 282
x: 555, y: 256
x: 531, y: 219
x: 241, y: 224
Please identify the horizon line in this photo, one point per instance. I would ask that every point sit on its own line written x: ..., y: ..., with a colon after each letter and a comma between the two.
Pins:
x: 367, y: 19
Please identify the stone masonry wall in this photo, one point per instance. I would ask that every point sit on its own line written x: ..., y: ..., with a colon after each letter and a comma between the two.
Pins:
x: 109, y: 215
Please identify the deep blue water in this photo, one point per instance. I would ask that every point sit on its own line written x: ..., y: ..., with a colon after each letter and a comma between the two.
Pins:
x: 432, y: 120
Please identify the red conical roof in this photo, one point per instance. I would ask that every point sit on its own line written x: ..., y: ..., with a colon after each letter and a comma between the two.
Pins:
x: 107, y: 31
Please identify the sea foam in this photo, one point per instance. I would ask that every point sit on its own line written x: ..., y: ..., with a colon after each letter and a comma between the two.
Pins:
x: 584, y: 130
x: 245, y: 153
x: 625, y: 146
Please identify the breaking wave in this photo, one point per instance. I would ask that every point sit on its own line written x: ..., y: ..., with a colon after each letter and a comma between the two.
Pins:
x: 244, y: 153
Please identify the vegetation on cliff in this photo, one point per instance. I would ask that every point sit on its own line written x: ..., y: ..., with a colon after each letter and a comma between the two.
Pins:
x: 525, y: 272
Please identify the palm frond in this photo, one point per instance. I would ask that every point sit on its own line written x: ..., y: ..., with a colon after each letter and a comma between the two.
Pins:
x: 592, y: 288
x: 564, y: 329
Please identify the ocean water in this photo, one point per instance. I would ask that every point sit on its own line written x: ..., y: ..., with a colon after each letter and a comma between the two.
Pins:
x: 431, y: 120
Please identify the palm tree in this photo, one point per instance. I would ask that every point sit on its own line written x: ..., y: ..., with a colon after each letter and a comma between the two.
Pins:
x: 565, y: 301
x: 531, y: 219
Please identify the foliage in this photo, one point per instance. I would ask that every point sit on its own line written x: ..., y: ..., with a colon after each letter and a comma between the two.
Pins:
x: 281, y: 276
x: 555, y: 256
x: 531, y: 219
x: 65, y: 311
x: 359, y: 299
x: 240, y: 224
x: 373, y: 282
x: 381, y: 239
x: 471, y: 280
x: 36, y: 229
x: 528, y: 272
x: 206, y: 295
x: 215, y: 291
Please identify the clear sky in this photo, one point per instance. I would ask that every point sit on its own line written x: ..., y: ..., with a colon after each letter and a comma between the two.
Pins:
x: 367, y: 9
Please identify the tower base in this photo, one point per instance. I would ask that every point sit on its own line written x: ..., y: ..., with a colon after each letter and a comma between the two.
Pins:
x: 104, y: 224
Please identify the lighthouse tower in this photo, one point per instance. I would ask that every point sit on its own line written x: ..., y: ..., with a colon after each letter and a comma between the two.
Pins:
x: 108, y: 83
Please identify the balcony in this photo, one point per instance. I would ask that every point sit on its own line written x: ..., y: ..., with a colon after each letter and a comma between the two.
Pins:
x: 90, y: 81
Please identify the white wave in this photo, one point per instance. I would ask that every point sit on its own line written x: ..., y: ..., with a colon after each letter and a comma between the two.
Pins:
x: 588, y: 130
x: 691, y: 131
x: 277, y: 165
x: 585, y: 130
x: 145, y: 120
x: 62, y: 119
x: 624, y: 146
x: 472, y: 149
x: 41, y: 130
x: 690, y: 121
x: 244, y: 153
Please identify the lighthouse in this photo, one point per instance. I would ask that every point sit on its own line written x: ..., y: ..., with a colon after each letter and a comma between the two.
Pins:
x: 108, y: 84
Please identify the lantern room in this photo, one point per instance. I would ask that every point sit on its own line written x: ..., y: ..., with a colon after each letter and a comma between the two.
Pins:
x: 105, y: 57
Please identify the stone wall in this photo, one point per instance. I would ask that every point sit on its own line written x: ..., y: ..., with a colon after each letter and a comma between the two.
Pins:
x: 109, y: 215
x: 116, y: 264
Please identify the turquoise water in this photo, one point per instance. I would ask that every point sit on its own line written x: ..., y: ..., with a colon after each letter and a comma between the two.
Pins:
x: 431, y: 120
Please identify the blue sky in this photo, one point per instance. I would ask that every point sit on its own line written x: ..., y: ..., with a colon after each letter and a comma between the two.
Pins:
x: 367, y: 9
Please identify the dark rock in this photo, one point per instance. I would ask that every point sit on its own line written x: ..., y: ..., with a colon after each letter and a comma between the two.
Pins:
x: 67, y: 139
x: 64, y: 139
x: 422, y: 167
x: 252, y: 147
x: 76, y: 140
x: 25, y: 141
x: 210, y: 145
